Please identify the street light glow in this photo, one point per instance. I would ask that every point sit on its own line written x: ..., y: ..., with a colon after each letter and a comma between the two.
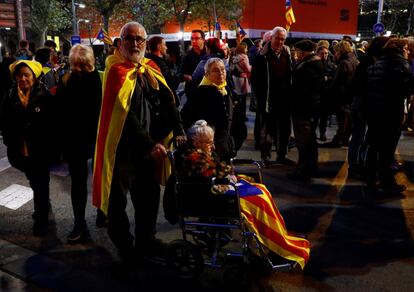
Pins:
x: 81, y: 5
x: 388, y: 33
x: 83, y: 20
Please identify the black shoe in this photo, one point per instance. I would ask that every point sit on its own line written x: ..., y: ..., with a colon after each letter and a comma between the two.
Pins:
x: 391, y: 188
x: 101, y: 219
x: 79, y: 234
x: 128, y: 258
x: 285, y: 161
x: 40, y: 228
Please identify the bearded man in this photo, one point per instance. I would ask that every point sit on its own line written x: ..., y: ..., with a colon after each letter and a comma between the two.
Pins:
x: 138, y: 113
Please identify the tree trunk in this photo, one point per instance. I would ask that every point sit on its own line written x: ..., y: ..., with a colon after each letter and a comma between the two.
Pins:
x: 43, y: 36
x: 105, y: 19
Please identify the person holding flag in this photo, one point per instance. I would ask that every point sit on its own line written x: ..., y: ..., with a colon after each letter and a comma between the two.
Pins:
x: 138, y: 113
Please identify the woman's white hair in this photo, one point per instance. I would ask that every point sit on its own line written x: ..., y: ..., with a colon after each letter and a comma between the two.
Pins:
x: 210, y: 63
x: 198, y: 130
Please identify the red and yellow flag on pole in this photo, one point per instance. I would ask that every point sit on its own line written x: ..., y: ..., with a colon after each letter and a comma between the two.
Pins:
x: 289, y: 15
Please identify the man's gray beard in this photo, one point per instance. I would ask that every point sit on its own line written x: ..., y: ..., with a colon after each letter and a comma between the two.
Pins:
x: 135, y: 57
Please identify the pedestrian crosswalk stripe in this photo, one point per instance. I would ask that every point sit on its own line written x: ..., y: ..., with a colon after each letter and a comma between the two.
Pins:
x: 15, y: 196
x: 4, y: 164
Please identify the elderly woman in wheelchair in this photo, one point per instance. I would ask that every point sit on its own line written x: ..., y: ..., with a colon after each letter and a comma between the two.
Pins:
x: 208, y: 188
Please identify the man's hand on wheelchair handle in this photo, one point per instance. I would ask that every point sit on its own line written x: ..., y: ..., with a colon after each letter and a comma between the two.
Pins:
x: 158, y: 151
x: 180, y: 140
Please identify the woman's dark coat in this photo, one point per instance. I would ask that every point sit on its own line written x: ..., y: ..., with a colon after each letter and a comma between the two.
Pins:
x: 33, y: 125
x: 80, y: 103
x: 210, y: 105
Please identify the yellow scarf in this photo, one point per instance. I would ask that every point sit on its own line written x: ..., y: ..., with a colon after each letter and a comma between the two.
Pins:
x: 221, y: 87
x: 24, y: 98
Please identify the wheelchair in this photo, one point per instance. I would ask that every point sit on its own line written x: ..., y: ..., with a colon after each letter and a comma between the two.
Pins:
x: 213, y: 230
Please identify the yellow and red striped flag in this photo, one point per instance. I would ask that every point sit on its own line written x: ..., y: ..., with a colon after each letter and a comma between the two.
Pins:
x: 118, y: 84
x: 289, y: 15
x: 104, y: 36
x: 263, y: 218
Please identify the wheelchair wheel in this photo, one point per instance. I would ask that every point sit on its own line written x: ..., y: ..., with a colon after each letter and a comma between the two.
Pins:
x: 184, y: 259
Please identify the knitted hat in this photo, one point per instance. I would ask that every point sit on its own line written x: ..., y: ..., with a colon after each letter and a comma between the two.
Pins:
x: 305, y: 45
x: 35, y: 66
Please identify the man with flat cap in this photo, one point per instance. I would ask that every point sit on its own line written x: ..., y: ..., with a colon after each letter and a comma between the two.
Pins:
x: 307, y: 83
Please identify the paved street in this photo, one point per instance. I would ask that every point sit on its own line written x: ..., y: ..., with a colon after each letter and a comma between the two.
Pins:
x: 360, y: 242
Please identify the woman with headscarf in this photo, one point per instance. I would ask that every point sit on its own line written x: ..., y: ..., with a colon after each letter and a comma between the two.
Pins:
x: 26, y: 123
x: 80, y: 96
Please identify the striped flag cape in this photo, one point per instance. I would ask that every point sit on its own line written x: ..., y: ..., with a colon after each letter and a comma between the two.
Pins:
x: 103, y: 36
x: 263, y: 218
x: 289, y: 15
x: 118, y: 86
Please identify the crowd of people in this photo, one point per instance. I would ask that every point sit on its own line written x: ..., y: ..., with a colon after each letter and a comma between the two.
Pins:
x: 123, y: 118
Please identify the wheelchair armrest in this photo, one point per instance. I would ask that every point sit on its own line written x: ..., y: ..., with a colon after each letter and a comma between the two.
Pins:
x: 240, y: 161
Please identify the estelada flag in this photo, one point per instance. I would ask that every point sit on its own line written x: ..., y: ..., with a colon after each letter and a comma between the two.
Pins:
x: 264, y: 219
x: 289, y: 15
x: 240, y: 31
x: 103, y: 36
x: 118, y: 86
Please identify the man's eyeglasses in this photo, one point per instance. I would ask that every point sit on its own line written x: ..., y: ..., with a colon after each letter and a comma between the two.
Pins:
x: 195, y: 38
x: 129, y: 38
